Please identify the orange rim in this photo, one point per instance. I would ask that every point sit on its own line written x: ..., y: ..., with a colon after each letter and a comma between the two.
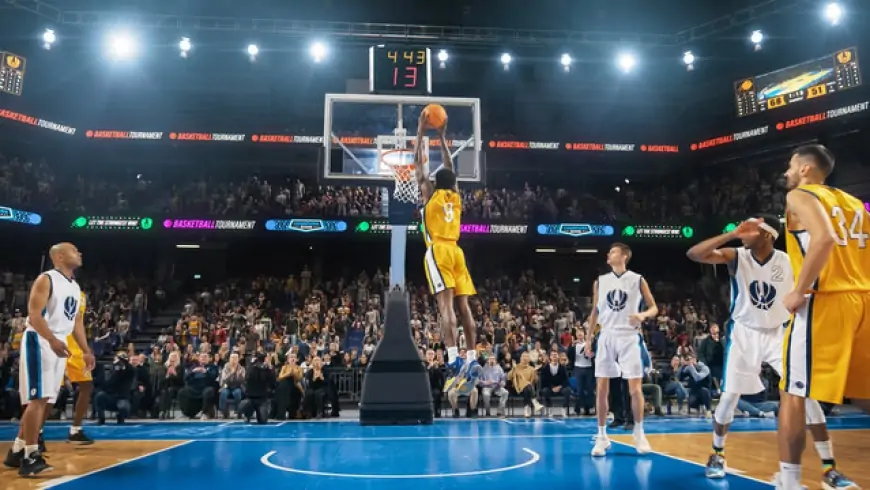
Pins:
x: 403, y: 173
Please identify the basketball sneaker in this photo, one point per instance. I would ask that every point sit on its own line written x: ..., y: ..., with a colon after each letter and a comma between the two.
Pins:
x: 80, y: 439
x: 641, y: 445
x: 715, y: 466
x: 33, y: 465
x: 13, y: 459
x: 602, y: 444
x: 834, y: 480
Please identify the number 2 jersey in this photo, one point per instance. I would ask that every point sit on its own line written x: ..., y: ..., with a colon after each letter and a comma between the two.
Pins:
x: 757, y: 289
x: 848, y: 267
x: 441, y: 216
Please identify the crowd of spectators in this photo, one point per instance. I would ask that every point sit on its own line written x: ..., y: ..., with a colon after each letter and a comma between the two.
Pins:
x: 34, y: 185
x: 316, y: 338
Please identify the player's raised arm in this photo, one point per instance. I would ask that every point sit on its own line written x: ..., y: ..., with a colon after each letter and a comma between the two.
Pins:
x: 421, y: 170
x: 710, y: 251
x: 446, y: 157
x: 812, y: 216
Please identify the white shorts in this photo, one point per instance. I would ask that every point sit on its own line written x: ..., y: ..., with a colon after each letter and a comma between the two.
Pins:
x: 746, y: 350
x: 620, y: 354
x: 40, y: 371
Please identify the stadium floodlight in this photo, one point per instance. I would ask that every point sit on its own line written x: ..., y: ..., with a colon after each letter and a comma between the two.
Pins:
x: 442, y: 58
x: 833, y: 12
x: 689, y: 60
x: 627, y: 181
x: 184, y: 46
x: 48, y: 38
x: 626, y: 61
x: 122, y: 46
x: 506, y: 60
x: 253, y: 50
x: 566, y: 61
x: 756, y: 38
x: 318, y: 51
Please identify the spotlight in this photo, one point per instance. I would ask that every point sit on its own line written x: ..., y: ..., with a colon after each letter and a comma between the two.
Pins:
x: 122, y: 46
x: 253, y: 51
x: 833, y: 12
x: 689, y: 60
x: 442, y: 58
x: 756, y: 38
x: 626, y: 61
x: 506, y: 60
x: 48, y: 38
x: 566, y: 61
x: 318, y: 51
x: 184, y: 46
x: 627, y: 181
x: 617, y: 189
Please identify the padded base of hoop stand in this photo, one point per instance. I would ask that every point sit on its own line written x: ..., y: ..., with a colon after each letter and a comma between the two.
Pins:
x: 396, y: 384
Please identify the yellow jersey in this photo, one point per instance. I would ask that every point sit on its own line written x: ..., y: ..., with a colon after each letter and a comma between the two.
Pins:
x: 441, y: 216
x: 848, y: 268
x: 71, y: 343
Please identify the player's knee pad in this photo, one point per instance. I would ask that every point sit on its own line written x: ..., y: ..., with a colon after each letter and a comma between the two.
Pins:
x: 815, y: 414
x: 725, y: 410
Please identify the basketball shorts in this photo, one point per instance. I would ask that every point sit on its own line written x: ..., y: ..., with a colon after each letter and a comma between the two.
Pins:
x: 40, y: 373
x: 827, y: 348
x: 76, y: 371
x: 446, y: 269
x: 620, y: 353
x: 746, y: 350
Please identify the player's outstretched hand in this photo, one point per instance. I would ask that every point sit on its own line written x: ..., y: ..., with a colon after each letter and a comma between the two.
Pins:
x: 443, y: 129
x: 421, y: 122
x: 58, y: 347
x: 749, y: 228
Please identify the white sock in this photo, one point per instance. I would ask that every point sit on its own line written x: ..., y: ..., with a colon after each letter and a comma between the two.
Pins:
x: 790, y: 476
x: 718, y: 441
x: 638, y: 428
x: 18, y: 445
x: 825, y: 450
x: 471, y: 355
x: 602, y: 432
x: 452, y: 353
x: 28, y: 450
x: 73, y: 430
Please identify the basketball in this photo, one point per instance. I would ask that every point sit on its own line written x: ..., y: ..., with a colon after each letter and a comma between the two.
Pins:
x: 436, y: 116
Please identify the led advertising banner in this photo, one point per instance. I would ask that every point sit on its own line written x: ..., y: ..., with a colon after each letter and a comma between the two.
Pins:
x: 575, y: 230
x: 117, y: 223
x: 303, y: 225
x: 658, y: 231
x: 416, y: 228
x: 12, y: 215
x: 209, y: 224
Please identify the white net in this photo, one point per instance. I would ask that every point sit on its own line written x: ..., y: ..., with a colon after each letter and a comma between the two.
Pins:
x: 406, y: 188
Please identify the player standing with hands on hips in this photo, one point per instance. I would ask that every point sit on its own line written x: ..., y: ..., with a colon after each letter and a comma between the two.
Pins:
x: 622, y: 300
x: 53, y: 314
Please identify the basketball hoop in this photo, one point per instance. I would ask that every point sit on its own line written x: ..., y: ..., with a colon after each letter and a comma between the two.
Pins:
x: 406, y: 188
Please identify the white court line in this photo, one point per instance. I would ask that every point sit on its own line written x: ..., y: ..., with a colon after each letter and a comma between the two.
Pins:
x: 281, y: 424
x: 534, y: 458
x: 684, y: 460
x: 69, y: 478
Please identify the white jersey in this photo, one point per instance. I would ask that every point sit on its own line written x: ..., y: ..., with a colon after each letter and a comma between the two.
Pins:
x: 619, y: 297
x: 757, y: 289
x: 63, y: 304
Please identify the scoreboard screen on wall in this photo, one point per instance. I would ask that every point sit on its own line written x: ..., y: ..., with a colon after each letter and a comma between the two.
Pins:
x: 808, y: 80
x: 400, y: 70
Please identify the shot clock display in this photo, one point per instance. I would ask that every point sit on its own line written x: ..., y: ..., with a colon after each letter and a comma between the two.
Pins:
x: 808, y: 80
x: 400, y: 70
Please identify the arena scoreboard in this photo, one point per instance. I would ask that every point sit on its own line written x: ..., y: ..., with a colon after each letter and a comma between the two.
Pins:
x: 11, y: 73
x: 400, y: 70
x: 808, y: 80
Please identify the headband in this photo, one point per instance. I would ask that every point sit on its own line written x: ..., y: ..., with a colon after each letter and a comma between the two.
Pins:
x: 766, y: 227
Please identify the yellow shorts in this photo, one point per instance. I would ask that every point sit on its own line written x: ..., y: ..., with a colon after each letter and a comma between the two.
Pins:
x: 826, y: 353
x: 75, y: 363
x: 446, y: 269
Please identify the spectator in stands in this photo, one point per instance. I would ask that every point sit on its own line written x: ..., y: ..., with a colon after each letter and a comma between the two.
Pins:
x: 467, y: 387
x: 316, y: 391
x: 260, y: 381
x: 198, y: 397
x: 584, y: 374
x: 170, y: 384
x: 712, y: 354
x: 554, y: 382
x: 671, y: 385
x: 523, y: 377
x: 437, y: 378
x: 492, y: 382
x: 114, y: 392
x: 697, y: 378
x: 288, y: 397
x: 232, y: 383
x: 141, y: 397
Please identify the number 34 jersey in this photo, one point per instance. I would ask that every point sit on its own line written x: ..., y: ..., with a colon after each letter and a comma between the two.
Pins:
x: 848, y: 267
x: 441, y: 216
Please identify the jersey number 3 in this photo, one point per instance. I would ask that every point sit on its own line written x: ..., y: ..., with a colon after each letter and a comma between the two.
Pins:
x: 448, y: 212
x: 855, y: 230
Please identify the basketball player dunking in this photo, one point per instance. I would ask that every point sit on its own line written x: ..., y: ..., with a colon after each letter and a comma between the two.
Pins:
x: 53, y: 314
x: 760, y: 276
x: 619, y: 298
x: 827, y: 346
x: 444, y: 261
